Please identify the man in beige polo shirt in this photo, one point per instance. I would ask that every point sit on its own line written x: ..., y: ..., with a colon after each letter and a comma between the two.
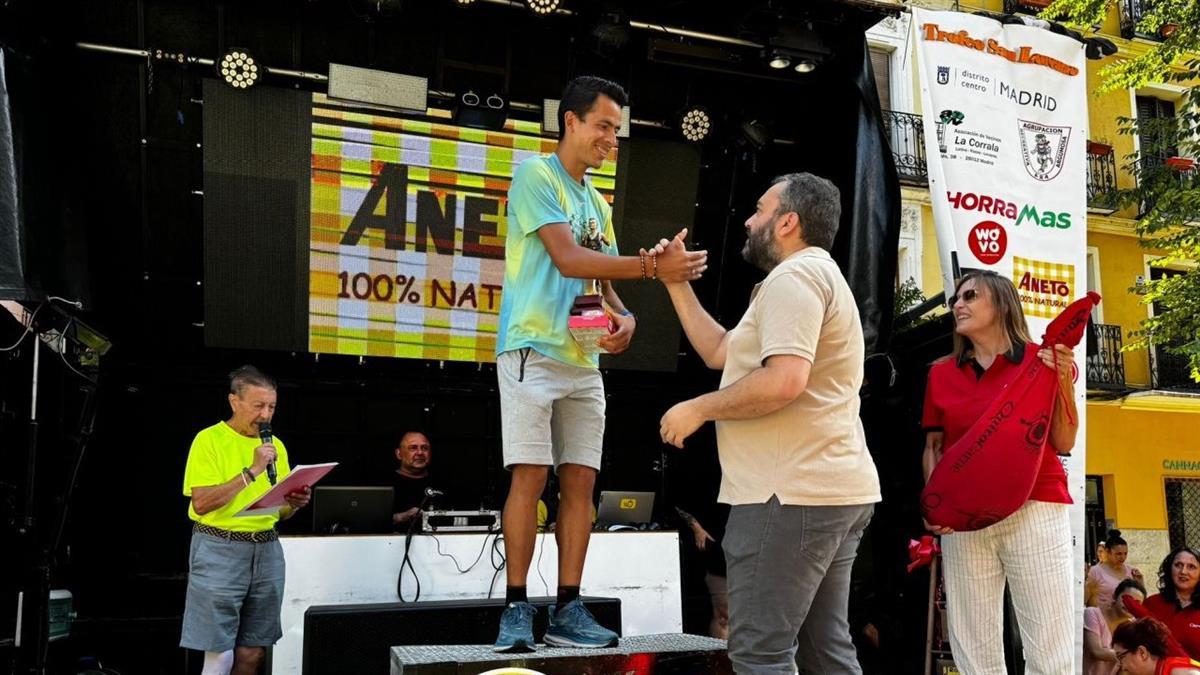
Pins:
x: 794, y: 461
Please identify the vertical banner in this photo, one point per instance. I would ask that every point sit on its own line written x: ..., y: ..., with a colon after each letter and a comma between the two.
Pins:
x: 1006, y: 126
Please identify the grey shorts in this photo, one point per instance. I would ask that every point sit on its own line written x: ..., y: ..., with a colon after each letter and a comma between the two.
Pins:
x: 234, y: 593
x: 551, y: 413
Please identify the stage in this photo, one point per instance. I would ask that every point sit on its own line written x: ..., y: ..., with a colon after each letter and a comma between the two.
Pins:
x: 639, y: 568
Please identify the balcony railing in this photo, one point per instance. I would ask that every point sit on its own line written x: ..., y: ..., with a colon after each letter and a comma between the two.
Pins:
x: 1101, y: 177
x: 1170, y: 371
x: 905, y: 132
x: 1132, y: 12
x: 1106, y: 368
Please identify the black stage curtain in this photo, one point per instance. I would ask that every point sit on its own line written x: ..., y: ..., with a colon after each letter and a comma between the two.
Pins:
x: 866, y: 250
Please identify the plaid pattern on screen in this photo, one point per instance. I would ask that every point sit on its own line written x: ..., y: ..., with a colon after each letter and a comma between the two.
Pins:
x: 427, y: 285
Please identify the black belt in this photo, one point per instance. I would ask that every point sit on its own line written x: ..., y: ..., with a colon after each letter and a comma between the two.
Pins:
x: 261, y: 537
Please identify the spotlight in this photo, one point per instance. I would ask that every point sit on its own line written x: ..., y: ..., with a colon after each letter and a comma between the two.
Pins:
x: 779, y: 60
x: 542, y: 7
x: 465, y: 2
x: 479, y: 112
x: 695, y: 124
x: 806, y: 66
x: 238, y: 69
x: 756, y: 134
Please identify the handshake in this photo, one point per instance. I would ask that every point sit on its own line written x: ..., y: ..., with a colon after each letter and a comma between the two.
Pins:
x: 670, y: 262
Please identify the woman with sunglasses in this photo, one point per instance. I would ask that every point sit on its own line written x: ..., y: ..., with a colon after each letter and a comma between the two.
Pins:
x: 1030, y: 549
x: 1142, y: 648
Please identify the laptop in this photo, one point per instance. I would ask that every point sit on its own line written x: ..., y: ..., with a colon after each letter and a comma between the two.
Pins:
x: 625, y: 508
x: 343, y: 509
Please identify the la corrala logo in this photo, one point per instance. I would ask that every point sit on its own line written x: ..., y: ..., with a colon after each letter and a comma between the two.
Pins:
x: 988, y: 241
x: 945, y: 117
x: 1043, y: 148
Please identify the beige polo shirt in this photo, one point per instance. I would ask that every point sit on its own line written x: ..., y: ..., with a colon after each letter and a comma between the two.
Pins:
x: 812, y: 451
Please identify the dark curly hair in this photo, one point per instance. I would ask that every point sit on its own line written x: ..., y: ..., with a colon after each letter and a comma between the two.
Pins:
x: 1165, y: 586
x: 1147, y: 632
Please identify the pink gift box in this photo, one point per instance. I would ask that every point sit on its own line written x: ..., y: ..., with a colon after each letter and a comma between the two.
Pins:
x: 588, y: 327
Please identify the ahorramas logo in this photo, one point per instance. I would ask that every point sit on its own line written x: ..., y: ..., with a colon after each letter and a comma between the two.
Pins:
x: 1045, y: 288
x: 1006, y: 208
x: 988, y: 241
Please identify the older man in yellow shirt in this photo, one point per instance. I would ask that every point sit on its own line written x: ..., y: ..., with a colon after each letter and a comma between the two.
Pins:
x: 235, y: 566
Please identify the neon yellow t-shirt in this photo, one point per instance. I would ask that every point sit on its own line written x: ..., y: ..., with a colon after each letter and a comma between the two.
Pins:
x: 218, y: 454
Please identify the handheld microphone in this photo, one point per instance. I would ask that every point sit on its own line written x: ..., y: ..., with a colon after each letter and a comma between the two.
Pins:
x: 264, y: 434
x: 431, y: 492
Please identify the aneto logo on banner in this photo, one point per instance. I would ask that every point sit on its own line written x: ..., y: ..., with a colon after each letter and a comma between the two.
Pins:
x: 1043, y: 148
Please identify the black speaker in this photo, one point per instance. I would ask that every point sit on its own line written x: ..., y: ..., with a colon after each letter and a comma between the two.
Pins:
x: 342, y: 639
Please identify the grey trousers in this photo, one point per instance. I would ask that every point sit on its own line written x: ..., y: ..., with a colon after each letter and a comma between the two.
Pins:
x: 789, y: 586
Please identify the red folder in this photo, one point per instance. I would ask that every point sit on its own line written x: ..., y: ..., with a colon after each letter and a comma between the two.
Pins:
x: 305, y: 475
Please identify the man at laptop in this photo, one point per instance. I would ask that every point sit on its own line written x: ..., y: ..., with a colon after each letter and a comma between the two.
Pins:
x: 412, y: 478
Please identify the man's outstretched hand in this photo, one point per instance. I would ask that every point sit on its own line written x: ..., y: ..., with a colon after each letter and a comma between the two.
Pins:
x: 676, y: 264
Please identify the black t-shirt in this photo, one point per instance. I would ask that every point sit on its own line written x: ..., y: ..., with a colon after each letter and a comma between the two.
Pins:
x: 409, y: 492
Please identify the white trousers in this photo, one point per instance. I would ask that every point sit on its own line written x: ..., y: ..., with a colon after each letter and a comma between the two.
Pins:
x: 1032, y: 550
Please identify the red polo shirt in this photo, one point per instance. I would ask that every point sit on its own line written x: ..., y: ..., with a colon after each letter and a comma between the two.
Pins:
x: 958, y: 394
x: 1184, y: 623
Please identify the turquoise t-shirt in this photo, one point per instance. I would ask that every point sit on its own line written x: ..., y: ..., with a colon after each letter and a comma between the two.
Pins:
x: 537, y: 299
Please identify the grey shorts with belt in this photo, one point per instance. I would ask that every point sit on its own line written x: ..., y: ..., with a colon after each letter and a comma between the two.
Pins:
x: 234, y: 594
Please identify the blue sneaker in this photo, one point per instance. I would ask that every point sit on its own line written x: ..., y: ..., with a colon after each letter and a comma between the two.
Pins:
x: 574, y: 626
x: 516, y: 628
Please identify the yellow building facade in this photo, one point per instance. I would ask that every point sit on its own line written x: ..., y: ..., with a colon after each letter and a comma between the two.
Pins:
x: 1143, y: 412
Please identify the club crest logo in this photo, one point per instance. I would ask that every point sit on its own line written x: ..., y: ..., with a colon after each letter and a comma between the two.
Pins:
x: 945, y: 117
x: 1043, y: 148
x: 943, y: 75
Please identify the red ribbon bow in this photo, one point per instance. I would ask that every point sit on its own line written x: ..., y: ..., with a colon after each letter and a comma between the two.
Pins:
x: 921, y: 552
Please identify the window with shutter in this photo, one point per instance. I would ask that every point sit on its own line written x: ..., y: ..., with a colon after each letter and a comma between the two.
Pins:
x: 881, y: 64
x: 1150, y: 108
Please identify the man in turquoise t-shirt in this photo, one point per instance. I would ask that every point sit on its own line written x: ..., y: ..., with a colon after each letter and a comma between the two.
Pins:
x: 560, y: 238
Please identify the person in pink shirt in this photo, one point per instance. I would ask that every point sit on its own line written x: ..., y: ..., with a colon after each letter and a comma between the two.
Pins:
x: 1099, y: 658
x: 1103, y: 577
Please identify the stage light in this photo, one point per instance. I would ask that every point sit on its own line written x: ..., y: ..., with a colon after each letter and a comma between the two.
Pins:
x: 542, y: 7
x: 695, y: 124
x: 756, y: 134
x: 238, y: 69
x: 465, y: 2
x: 480, y: 112
x: 806, y: 66
x: 779, y: 60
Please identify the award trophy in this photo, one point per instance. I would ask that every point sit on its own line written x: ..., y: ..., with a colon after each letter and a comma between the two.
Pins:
x: 590, y: 320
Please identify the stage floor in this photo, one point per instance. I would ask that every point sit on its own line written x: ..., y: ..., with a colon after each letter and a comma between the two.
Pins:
x: 642, y: 654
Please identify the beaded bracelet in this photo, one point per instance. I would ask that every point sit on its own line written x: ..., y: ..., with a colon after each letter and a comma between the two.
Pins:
x: 642, y: 258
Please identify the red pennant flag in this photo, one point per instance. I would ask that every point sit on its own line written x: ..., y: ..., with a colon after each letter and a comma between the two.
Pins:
x: 989, y: 473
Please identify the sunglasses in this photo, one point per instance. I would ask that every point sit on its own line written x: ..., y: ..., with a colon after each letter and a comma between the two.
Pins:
x: 968, y: 296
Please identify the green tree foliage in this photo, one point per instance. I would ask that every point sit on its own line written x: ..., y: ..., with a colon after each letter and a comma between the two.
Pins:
x: 1167, y: 194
